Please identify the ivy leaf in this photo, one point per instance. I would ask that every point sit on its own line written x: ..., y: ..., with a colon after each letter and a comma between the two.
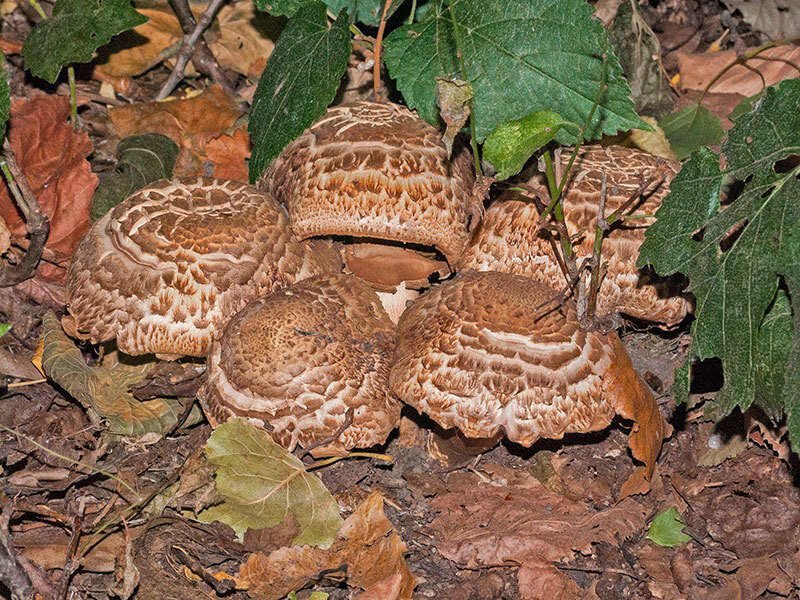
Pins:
x: 104, y: 392
x: 520, y: 56
x: 142, y: 160
x: 667, y: 529
x: 262, y: 483
x: 510, y: 146
x: 74, y: 32
x: 690, y: 129
x: 736, y: 256
x: 298, y: 83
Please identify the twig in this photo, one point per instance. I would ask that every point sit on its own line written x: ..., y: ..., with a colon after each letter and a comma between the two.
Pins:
x: 348, y: 420
x: 194, y: 48
x: 12, y: 575
x: 599, y: 571
x: 36, y: 222
x: 73, y: 560
x: 220, y: 586
x: 376, y: 68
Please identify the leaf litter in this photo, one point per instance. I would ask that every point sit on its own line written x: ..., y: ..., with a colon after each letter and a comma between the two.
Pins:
x: 561, y: 520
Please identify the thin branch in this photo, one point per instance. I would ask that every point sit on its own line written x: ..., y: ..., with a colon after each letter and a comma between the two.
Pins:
x: 194, y: 48
x: 601, y: 228
x: 12, y: 575
x: 376, y: 67
x: 36, y: 222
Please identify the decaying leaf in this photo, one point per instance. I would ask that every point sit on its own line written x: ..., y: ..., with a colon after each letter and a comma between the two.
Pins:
x: 366, y: 548
x: 53, y: 157
x: 262, y: 483
x: 453, y: 97
x: 5, y: 236
x: 104, y: 391
x: 774, y: 65
x: 776, y: 18
x: 190, y: 122
x: 228, y: 153
x: 245, y: 39
x: 524, y: 523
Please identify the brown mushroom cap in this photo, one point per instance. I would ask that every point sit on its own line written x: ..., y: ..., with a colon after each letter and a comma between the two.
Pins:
x: 167, y: 267
x: 375, y: 170
x: 476, y: 353
x: 301, y: 358
x: 509, y: 240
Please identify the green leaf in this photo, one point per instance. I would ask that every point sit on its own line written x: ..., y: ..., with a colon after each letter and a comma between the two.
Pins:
x: 104, y: 392
x: 745, y: 106
x: 74, y: 32
x: 666, y: 529
x: 510, y: 145
x: 736, y: 256
x: 367, y: 12
x: 5, y: 100
x: 4, y: 327
x: 298, y: 83
x: 690, y: 129
x: 262, y: 483
x: 520, y: 56
x: 142, y: 160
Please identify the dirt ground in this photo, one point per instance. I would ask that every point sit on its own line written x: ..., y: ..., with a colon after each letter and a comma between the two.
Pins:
x: 562, y: 519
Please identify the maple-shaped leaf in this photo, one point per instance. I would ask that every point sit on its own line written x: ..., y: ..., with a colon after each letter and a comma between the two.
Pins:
x: 737, y: 255
x: 104, y: 391
x: 74, y: 32
x: 262, y: 483
x: 520, y: 56
x: 298, y: 83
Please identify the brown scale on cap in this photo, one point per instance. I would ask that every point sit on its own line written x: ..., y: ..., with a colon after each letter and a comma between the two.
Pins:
x: 477, y: 354
x: 302, y: 358
x: 509, y: 239
x: 377, y: 172
x: 167, y: 267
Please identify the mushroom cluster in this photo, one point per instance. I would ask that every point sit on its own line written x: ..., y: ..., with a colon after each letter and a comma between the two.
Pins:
x: 253, y: 278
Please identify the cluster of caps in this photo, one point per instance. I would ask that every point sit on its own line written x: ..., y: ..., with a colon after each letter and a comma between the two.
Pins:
x: 361, y: 272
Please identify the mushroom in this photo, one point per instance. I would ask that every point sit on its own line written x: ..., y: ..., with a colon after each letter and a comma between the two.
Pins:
x: 510, y: 240
x: 167, y: 267
x: 481, y: 353
x: 311, y: 363
x: 379, y: 178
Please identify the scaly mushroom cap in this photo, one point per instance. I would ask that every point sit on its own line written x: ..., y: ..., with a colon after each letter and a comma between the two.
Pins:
x: 508, y: 239
x: 301, y: 358
x: 168, y: 266
x: 476, y: 353
x: 375, y: 170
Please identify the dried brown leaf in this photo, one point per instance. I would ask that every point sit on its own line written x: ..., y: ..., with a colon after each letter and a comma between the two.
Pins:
x: 5, y: 236
x: 525, y: 523
x: 366, y: 548
x: 53, y: 158
x: 190, y: 122
x: 697, y: 70
x: 385, y: 589
x: 245, y: 39
x: 228, y: 154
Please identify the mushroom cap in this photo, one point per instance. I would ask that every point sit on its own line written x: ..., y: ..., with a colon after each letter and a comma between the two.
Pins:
x: 375, y: 170
x: 167, y: 267
x: 509, y: 240
x: 301, y: 358
x: 478, y: 354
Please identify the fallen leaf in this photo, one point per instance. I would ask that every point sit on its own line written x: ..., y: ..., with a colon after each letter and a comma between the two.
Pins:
x: 262, y: 483
x: 776, y: 18
x: 228, y: 154
x: 524, y: 523
x: 135, y: 51
x: 245, y: 39
x: 5, y: 236
x: 190, y: 122
x: 386, y: 589
x: 53, y: 158
x: 366, y: 548
x: 667, y: 529
x: 104, y: 391
x: 454, y: 97
x: 697, y: 70
x: 47, y: 547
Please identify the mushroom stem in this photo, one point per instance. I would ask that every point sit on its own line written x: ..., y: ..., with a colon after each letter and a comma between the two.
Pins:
x: 36, y: 222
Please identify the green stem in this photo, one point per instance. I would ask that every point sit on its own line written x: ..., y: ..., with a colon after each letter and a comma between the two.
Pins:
x: 413, y: 12
x: 38, y: 9
x: 473, y: 136
x: 555, y: 205
x: 73, y: 97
